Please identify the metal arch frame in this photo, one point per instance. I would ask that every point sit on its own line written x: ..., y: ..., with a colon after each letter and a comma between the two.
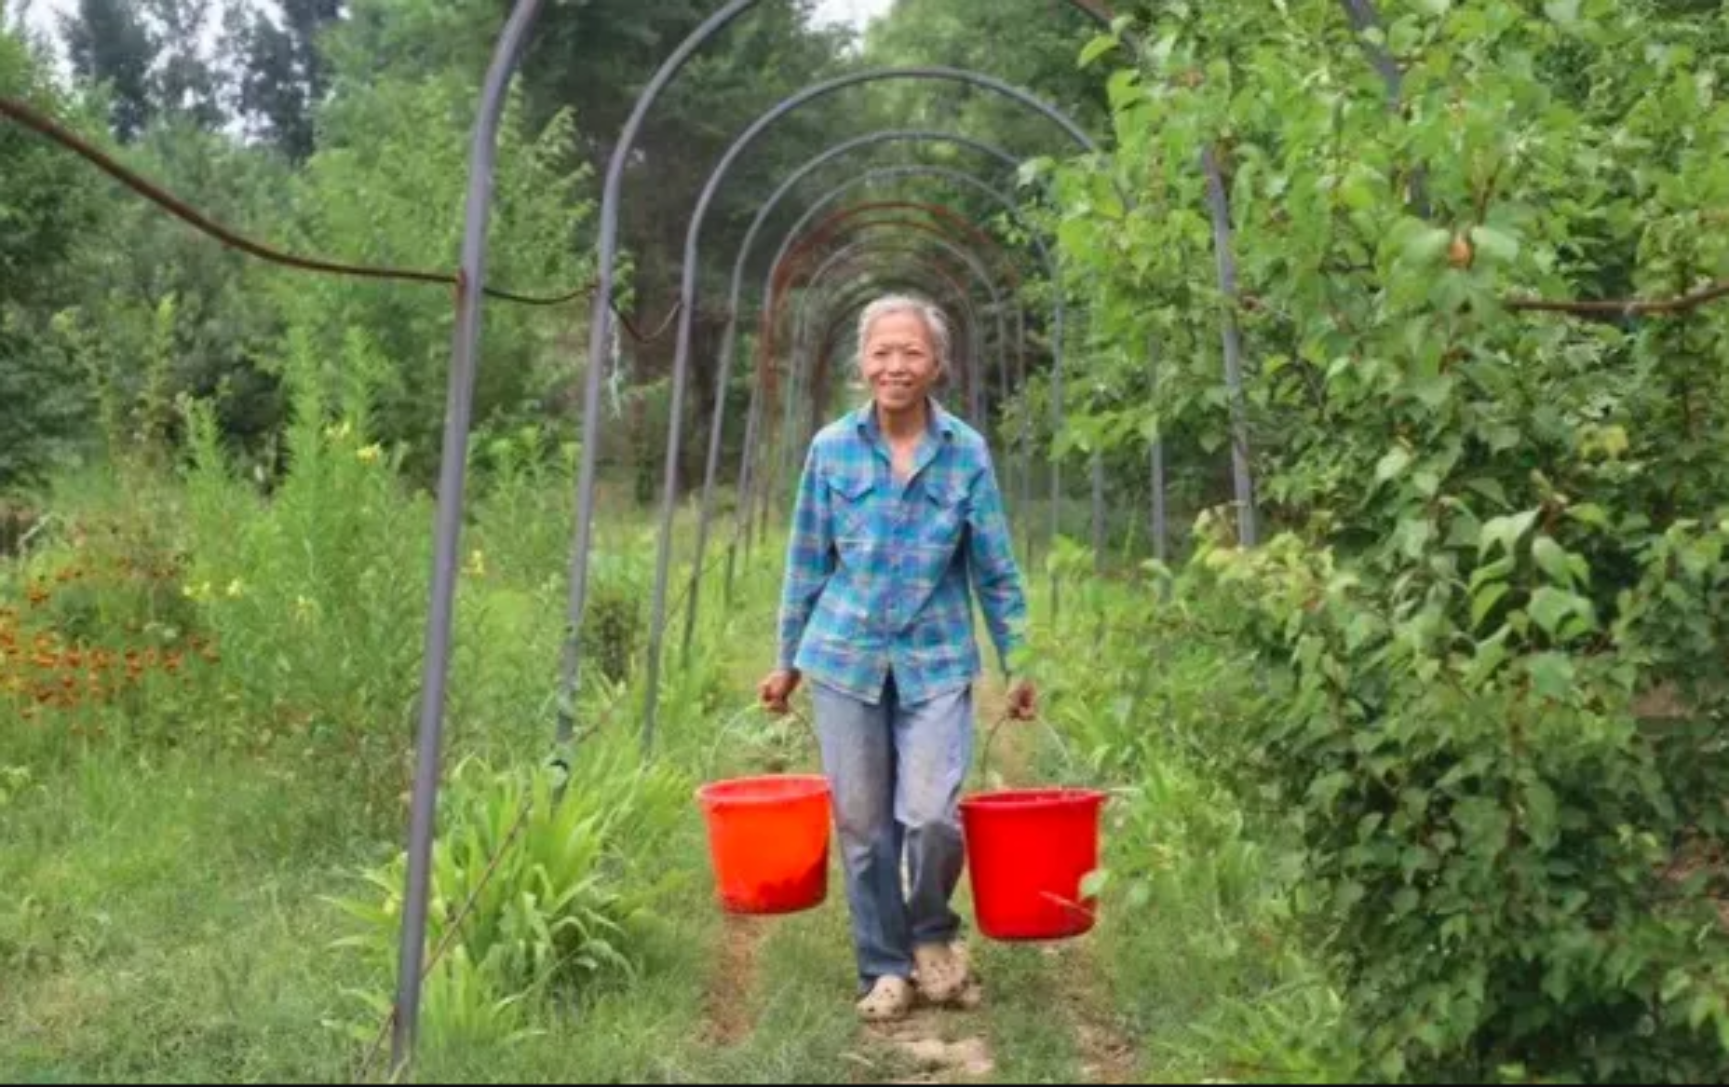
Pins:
x: 453, y: 462
x: 849, y: 303
x: 958, y: 176
x: 777, y: 281
x: 454, y: 449
x: 787, y: 251
x: 687, y: 303
x: 779, y: 461
x: 729, y: 337
x: 779, y: 464
x: 941, y: 216
x: 780, y: 458
x: 976, y: 375
x: 820, y: 295
x: 1058, y: 340
x: 811, y: 297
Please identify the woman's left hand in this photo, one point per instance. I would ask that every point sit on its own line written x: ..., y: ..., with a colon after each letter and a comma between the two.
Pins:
x: 1023, y: 701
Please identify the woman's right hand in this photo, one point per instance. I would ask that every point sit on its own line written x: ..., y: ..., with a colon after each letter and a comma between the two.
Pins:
x: 777, y: 688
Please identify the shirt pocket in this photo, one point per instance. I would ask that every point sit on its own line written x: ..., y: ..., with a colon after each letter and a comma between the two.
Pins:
x: 943, y: 514
x: 850, y: 508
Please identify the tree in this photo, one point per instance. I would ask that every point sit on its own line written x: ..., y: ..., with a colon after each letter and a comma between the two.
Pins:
x: 281, y: 71
x: 184, y: 82
x: 110, y: 44
x: 48, y: 206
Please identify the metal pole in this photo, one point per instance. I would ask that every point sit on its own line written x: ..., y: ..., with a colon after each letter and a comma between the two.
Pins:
x: 453, y: 460
x: 1156, y: 467
x: 600, y: 335
x: 1240, y: 467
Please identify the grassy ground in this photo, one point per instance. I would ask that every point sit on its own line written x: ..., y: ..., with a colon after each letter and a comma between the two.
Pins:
x: 169, y: 861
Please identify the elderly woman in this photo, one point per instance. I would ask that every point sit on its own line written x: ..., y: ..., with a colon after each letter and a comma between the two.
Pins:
x: 897, y: 506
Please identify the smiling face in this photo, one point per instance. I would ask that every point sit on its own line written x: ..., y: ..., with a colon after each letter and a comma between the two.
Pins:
x: 899, y: 361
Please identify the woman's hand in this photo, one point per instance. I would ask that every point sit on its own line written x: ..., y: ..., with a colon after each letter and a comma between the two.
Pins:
x: 776, y: 688
x: 1023, y: 700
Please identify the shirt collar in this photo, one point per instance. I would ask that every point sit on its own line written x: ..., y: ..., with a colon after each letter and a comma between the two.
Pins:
x: 939, y: 422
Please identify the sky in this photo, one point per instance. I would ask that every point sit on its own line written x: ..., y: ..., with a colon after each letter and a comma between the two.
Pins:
x: 855, y: 13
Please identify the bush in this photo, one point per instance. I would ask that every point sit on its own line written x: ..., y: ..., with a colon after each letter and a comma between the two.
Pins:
x: 1486, y: 828
x: 318, y: 595
x: 575, y: 879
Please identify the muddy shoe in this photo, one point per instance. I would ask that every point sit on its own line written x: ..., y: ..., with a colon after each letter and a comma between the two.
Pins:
x: 942, y: 972
x: 890, y: 998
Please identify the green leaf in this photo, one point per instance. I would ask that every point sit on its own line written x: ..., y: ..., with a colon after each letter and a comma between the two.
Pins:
x: 1434, y: 8
x: 1494, y: 244
x: 1552, y: 675
x: 1095, y: 883
x: 1393, y: 463
x: 1506, y: 531
x: 1565, y: 12
x: 1123, y: 88
x: 1550, y: 607
x: 1426, y: 246
x: 1325, y: 788
x: 1093, y: 50
x: 1485, y: 600
x: 1541, y: 822
x: 1590, y: 513
x: 1552, y: 559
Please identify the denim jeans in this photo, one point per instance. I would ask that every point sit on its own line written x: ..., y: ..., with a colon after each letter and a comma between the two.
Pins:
x: 896, y: 774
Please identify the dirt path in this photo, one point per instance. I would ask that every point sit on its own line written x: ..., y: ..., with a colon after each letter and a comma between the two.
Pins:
x: 946, y: 1045
x: 728, y: 1015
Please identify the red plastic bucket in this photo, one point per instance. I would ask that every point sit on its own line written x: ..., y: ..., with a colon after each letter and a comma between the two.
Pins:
x: 1028, y: 851
x: 768, y: 842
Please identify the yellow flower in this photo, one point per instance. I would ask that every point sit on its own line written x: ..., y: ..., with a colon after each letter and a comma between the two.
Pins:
x: 477, y: 564
x: 304, y: 609
x: 339, y: 431
x: 370, y: 453
x: 235, y: 588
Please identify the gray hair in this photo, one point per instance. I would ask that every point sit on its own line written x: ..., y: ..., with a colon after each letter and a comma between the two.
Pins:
x: 936, y: 323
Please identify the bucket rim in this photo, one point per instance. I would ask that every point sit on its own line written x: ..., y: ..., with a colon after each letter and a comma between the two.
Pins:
x: 720, y: 791
x: 1034, y: 799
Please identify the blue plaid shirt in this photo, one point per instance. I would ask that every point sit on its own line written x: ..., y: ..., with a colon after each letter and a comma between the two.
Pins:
x: 877, y: 570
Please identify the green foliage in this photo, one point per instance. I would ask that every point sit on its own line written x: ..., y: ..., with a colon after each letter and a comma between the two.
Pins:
x: 550, y: 893
x: 1194, y: 873
x: 385, y: 188
x: 47, y: 206
x: 1484, y: 820
x: 1504, y: 531
x: 318, y: 594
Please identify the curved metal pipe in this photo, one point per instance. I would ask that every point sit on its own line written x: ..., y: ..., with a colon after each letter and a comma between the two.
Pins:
x: 1059, y: 321
x: 967, y: 315
x: 791, y: 244
x: 453, y: 461
x: 788, y: 243
x: 781, y: 455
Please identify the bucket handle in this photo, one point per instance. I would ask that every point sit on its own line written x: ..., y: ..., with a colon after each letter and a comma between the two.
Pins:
x: 731, y: 724
x: 1044, y: 723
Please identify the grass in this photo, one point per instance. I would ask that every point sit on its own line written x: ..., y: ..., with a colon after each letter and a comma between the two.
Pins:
x: 166, y: 874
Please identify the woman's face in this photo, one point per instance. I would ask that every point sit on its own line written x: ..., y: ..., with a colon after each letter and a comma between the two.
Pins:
x: 899, y: 362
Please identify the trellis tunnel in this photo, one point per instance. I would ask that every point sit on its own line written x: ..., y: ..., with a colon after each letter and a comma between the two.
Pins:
x: 916, y: 268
